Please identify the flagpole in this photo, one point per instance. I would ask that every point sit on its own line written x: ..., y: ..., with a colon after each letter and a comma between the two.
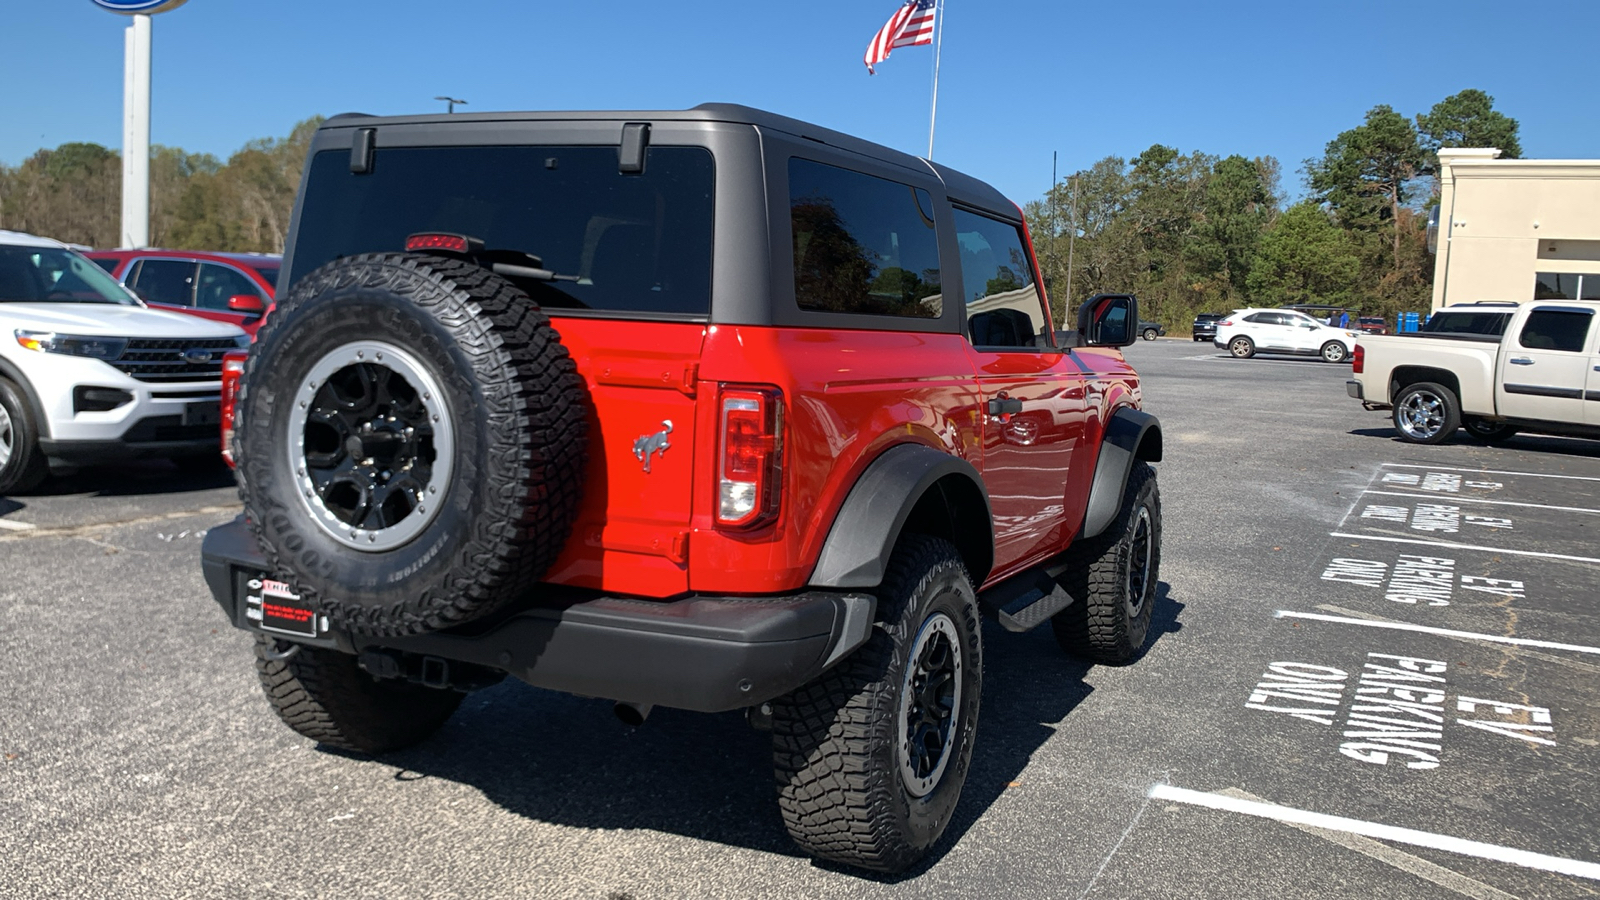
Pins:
x: 938, y: 44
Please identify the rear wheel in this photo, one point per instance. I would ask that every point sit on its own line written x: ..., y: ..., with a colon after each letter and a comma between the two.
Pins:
x: 22, y: 463
x: 1242, y: 347
x: 1114, y: 578
x: 1334, y: 352
x: 871, y: 757
x: 1426, y: 413
x: 325, y: 696
x: 1488, y: 432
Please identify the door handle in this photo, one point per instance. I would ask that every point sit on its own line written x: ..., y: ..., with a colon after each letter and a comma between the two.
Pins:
x: 1520, y: 361
x: 1004, y: 407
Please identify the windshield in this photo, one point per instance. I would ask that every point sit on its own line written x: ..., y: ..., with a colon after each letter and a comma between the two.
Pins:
x: 55, y: 275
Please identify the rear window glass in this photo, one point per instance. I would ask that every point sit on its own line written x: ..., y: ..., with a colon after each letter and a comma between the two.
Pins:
x: 634, y: 242
x: 1490, y: 324
x: 862, y: 244
x: 269, y: 274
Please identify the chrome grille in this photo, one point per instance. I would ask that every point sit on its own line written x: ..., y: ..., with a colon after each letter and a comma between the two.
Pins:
x: 161, y: 360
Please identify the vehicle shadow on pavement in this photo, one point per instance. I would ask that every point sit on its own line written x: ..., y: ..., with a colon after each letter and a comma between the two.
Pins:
x: 569, y: 761
x: 155, y: 476
x: 1539, y: 443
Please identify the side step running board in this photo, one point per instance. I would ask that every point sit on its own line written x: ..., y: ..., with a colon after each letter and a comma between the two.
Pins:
x: 1028, y: 600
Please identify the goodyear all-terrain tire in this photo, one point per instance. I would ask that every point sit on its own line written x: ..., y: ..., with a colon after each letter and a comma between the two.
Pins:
x: 410, y: 442
x: 325, y: 696
x: 870, y: 758
x: 1114, y: 578
x: 22, y: 464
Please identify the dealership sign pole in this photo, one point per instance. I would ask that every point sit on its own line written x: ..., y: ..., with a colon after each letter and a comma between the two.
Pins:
x: 136, y: 115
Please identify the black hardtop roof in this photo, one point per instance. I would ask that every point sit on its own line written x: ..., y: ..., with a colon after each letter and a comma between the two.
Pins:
x: 961, y: 187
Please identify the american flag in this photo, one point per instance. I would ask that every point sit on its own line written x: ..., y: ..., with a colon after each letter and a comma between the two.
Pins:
x: 912, y: 24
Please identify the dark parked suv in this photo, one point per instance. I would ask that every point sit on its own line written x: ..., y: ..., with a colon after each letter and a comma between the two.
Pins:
x: 1205, y: 326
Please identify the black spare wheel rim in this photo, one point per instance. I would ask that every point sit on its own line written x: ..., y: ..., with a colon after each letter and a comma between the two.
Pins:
x: 929, y: 699
x: 411, y: 441
x: 372, y: 443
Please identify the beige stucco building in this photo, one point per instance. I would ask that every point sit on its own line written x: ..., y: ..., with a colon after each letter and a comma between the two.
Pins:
x: 1516, y: 229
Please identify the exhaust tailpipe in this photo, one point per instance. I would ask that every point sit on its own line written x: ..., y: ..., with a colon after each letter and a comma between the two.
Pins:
x: 632, y: 714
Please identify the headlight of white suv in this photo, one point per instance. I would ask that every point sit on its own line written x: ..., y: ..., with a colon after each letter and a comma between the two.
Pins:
x: 104, y: 348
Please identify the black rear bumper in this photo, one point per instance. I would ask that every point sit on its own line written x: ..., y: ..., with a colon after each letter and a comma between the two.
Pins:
x: 709, y: 654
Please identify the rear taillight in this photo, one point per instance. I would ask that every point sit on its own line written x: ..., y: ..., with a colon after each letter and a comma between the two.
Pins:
x: 232, y: 368
x: 1225, y: 324
x: 750, y: 459
x: 1358, y: 360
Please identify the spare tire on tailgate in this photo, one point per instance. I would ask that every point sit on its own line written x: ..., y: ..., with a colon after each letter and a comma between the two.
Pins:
x: 410, y: 441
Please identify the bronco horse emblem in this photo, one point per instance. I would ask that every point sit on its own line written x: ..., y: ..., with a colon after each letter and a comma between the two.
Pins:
x: 649, y: 444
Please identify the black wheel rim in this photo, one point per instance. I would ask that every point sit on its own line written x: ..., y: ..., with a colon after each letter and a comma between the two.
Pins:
x: 371, y: 444
x: 930, y: 700
x: 1141, y: 551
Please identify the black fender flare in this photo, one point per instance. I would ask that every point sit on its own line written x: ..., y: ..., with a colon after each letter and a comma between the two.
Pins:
x: 11, y: 373
x: 856, y: 553
x: 1131, y: 435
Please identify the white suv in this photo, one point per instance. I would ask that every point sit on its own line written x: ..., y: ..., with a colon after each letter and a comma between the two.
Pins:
x: 1246, y: 332
x: 88, y: 374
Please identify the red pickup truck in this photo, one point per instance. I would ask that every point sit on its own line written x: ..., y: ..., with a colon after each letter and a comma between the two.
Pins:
x: 710, y: 409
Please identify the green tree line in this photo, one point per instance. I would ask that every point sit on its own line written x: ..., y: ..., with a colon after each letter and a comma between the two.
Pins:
x: 197, y: 202
x: 1196, y: 232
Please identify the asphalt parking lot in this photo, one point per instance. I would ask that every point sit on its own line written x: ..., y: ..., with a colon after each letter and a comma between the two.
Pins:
x: 1373, y: 672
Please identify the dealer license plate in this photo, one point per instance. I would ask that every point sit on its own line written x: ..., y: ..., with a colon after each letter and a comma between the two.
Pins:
x: 273, y: 607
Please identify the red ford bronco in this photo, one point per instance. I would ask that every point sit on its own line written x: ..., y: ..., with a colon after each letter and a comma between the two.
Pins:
x: 679, y: 409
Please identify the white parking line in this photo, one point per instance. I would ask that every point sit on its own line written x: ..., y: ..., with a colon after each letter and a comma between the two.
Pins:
x: 1444, y: 632
x: 1488, y: 471
x: 1393, y: 856
x: 1397, y: 540
x: 1456, y: 499
x: 1416, y: 838
x: 8, y: 525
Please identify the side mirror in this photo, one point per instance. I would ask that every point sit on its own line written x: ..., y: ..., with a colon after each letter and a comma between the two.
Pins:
x: 1107, y: 320
x: 245, y: 303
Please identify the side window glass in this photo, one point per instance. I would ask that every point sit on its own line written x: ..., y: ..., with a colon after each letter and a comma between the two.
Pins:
x: 169, y: 281
x: 1004, y: 308
x: 218, y: 283
x: 1261, y: 318
x: 1565, y: 330
x: 108, y: 264
x: 862, y: 244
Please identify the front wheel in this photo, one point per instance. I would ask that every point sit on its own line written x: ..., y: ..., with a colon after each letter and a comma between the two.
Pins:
x: 1488, y: 432
x: 1149, y: 334
x: 1114, y: 578
x: 22, y: 464
x: 1242, y: 347
x: 1334, y: 352
x: 871, y: 757
x: 1426, y: 413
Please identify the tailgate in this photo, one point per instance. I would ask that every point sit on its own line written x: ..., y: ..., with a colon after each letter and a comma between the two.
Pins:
x: 632, y: 530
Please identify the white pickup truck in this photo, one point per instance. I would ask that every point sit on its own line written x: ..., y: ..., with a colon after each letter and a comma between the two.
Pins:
x: 1542, y: 374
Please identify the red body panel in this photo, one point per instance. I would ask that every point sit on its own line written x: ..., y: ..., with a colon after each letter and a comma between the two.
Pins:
x: 848, y: 396
x: 124, y: 260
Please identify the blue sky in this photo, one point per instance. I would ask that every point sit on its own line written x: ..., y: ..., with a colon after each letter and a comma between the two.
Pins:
x: 1020, y: 78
